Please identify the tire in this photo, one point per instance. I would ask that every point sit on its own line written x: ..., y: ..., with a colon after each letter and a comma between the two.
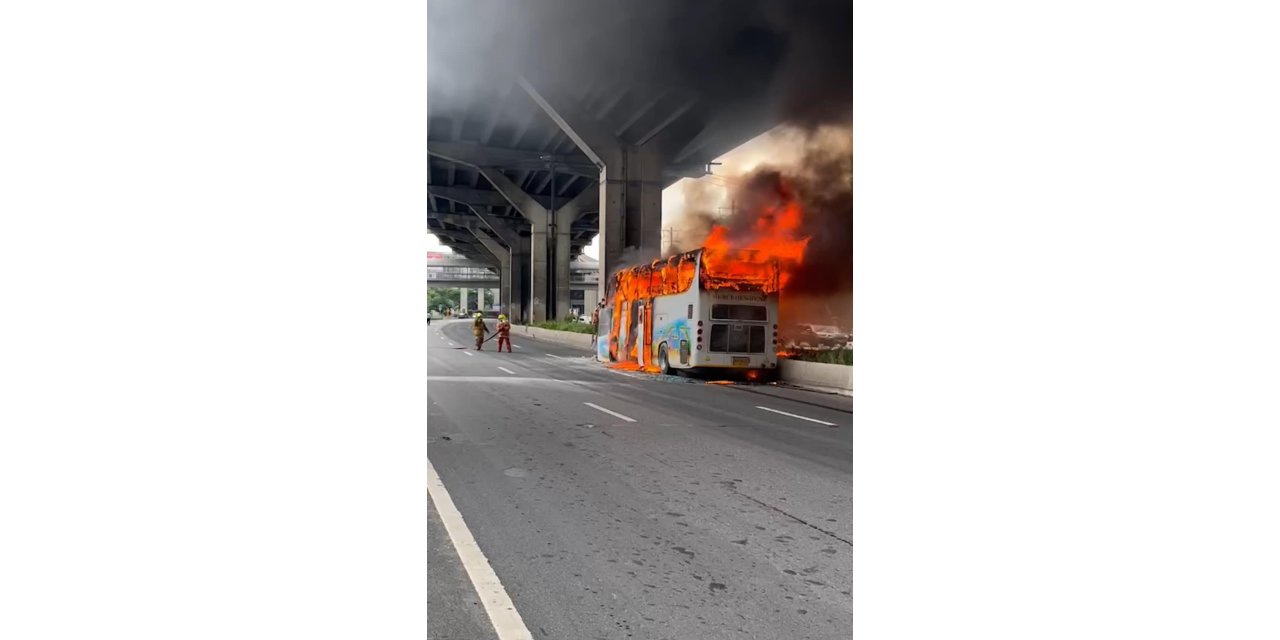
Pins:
x: 664, y: 365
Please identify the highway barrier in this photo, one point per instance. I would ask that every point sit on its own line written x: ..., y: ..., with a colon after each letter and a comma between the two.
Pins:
x: 567, y: 338
x: 833, y: 377
x: 837, y: 378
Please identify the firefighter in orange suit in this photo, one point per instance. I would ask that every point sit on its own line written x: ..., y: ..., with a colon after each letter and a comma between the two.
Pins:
x: 504, y: 333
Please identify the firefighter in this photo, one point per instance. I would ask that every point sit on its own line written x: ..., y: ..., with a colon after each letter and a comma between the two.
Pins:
x: 504, y: 333
x: 479, y: 329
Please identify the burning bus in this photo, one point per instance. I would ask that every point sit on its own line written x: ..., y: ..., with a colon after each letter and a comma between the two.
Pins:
x: 691, y: 311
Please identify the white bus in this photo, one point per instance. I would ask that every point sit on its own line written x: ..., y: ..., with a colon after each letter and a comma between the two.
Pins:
x: 673, y: 315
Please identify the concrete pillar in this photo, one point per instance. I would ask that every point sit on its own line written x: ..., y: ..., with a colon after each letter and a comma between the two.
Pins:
x: 630, y: 206
x: 463, y: 300
x: 520, y: 262
x: 538, y: 267
x: 564, y: 246
x: 503, y: 256
x: 630, y: 194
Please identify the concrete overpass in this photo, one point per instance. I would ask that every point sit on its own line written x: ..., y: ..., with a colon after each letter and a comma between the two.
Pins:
x: 445, y: 271
x: 549, y: 128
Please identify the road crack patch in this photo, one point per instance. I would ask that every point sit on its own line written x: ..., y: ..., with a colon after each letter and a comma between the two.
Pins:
x: 732, y: 486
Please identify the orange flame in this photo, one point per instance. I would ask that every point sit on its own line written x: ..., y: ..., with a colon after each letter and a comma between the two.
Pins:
x: 761, y: 256
x: 764, y: 255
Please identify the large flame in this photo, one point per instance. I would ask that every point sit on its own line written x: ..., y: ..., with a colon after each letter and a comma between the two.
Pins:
x: 760, y: 256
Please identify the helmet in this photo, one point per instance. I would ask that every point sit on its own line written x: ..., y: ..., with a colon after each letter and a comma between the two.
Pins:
x: 502, y: 317
x: 479, y: 315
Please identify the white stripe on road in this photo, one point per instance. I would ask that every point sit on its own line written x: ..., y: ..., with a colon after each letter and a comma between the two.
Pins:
x: 507, y: 622
x: 829, y: 424
x: 507, y: 370
x: 549, y: 355
x: 517, y: 346
x: 510, y: 380
x: 469, y: 353
x: 612, y: 413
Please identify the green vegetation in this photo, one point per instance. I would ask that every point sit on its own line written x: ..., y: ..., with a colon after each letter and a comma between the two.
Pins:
x: 565, y: 325
x: 441, y: 299
x: 833, y: 356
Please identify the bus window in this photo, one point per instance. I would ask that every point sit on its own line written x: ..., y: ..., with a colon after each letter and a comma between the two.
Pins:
x: 737, y: 338
x: 690, y: 312
x: 742, y: 312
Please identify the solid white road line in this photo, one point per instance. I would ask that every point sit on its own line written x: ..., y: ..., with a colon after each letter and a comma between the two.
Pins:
x: 469, y: 353
x: 612, y: 413
x: 829, y: 424
x: 507, y: 622
x: 507, y: 370
x: 554, y: 356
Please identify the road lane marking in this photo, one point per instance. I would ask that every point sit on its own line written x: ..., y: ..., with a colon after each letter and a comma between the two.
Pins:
x: 829, y: 424
x: 510, y: 380
x: 517, y: 346
x: 612, y: 413
x: 554, y: 356
x: 507, y: 622
x: 469, y: 353
x: 507, y: 370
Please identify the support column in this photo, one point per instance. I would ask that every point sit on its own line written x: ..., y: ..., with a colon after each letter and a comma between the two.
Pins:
x: 538, y: 268
x: 630, y: 180
x: 462, y: 300
x: 520, y: 263
x: 503, y: 256
x: 539, y: 222
x: 565, y: 217
x: 630, y: 207
x: 564, y: 247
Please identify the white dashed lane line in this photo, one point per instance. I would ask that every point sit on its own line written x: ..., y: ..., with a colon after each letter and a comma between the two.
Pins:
x: 507, y: 370
x: 517, y: 346
x: 612, y: 413
x: 829, y: 424
x: 469, y: 353
x: 549, y: 355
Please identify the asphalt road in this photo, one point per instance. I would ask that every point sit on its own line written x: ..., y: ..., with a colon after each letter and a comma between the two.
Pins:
x: 621, y: 505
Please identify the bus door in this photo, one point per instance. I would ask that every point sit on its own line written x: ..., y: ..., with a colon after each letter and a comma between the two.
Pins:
x: 646, y: 346
x: 630, y: 313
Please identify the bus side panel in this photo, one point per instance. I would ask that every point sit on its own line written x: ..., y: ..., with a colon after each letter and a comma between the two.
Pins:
x: 672, y: 325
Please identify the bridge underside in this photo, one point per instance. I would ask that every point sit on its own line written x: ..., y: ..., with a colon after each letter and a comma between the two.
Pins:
x: 544, y: 134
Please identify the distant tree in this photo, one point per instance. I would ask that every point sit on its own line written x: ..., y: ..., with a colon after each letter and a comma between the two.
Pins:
x: 440, y: 299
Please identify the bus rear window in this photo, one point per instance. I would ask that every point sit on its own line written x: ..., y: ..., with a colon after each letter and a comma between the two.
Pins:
x: 743, y: 312
x: 737, y: 338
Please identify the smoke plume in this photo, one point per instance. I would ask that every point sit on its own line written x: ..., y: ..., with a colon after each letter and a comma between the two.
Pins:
x: 729, y: 51
x: 815, y: 167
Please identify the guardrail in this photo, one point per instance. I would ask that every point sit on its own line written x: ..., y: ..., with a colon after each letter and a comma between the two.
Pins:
x: 833, y: 378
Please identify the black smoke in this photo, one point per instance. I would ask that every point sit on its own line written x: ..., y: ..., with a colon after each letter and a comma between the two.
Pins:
x: 794, y: 55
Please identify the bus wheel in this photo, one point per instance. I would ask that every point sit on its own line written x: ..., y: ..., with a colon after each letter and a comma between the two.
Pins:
x: 664, y: 365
